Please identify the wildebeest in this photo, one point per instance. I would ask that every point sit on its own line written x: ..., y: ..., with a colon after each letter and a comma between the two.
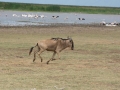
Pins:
x: 54, y: 44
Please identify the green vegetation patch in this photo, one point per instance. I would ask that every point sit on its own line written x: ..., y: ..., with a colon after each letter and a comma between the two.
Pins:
x: 59, y: 8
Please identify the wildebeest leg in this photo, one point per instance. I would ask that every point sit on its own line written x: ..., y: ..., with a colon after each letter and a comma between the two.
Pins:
x: 58, y: 55
x: 40, y: 57
x: 36, y: 51
x: 34, y: 56
x: 51, y: 58
x: 40, y: 53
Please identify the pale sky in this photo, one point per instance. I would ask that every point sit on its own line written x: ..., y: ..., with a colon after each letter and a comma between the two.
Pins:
x: 106, y: 3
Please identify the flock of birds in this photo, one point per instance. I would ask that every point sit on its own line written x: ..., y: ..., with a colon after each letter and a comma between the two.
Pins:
x: 109, y: 24
x: 29, y: 15
x: 38, y: 18
x: 42, y: 16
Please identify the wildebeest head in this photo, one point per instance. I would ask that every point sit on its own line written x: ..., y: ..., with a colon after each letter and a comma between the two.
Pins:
x: 71, y: 43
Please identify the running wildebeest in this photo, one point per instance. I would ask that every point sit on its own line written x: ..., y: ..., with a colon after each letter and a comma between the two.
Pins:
x: 54, y: 44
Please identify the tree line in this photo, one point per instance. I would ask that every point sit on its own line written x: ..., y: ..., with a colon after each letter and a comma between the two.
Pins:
x: 59, y: 8
x: 29, y: 7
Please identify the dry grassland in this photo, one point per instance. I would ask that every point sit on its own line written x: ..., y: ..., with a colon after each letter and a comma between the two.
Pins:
x: 93, y: 65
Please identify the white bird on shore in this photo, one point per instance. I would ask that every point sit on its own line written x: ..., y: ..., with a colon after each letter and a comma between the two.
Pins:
x: 24, y: 15
x: 15, y: 15
x: 36, y: 16
x: 103, y: 23
x: 42, y: 16
x: 31, y: 15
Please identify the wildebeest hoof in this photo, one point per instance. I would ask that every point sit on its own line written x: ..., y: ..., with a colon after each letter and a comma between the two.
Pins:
x: 41, y: 60
x: 33, y: 60
x: 48, y: 62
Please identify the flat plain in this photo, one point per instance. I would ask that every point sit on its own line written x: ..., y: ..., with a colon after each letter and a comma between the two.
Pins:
x: 94, y: 64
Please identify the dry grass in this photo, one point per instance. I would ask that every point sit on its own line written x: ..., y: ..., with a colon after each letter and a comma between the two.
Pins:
x: 93, y: 65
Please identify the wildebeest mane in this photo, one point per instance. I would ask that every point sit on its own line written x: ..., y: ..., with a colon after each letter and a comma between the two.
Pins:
x: 59, y: 38
x: 64, y: 39
x: 56, y: 38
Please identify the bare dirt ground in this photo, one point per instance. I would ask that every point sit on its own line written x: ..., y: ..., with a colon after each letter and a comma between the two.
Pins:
x: 93, y: 65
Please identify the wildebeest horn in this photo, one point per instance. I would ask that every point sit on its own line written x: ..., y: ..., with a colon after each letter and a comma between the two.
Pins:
x: 68, y: 37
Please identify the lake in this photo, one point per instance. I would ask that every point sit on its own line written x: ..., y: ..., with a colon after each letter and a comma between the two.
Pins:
x: 22, y: 18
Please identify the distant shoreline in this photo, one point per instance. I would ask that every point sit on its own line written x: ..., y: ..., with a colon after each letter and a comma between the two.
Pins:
x: 57, y: 25
x: 58, y: 8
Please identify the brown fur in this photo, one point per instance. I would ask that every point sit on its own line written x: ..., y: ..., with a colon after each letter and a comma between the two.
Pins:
x: 54, y: 44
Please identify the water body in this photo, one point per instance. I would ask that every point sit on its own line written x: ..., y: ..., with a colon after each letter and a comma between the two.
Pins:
x: 20, y: 18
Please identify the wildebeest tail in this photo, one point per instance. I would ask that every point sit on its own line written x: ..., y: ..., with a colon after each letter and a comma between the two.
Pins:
x: 32, y: 49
